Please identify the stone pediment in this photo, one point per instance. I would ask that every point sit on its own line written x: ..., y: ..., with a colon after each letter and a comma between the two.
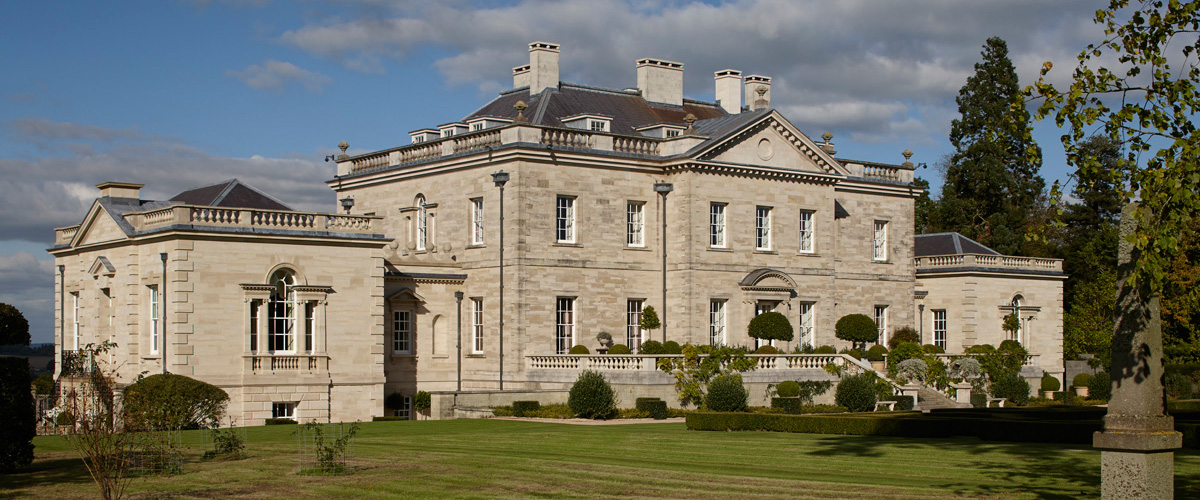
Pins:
x: 101, y: 266
x: 768, y: 279
x: 774, y: 142
x: 405, y: 295
x: 98, y: 227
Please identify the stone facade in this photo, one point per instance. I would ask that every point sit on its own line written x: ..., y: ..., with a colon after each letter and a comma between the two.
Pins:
x: 759, y: 217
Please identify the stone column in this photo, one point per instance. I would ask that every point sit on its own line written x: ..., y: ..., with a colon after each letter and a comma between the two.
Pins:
x: 1136, y: 461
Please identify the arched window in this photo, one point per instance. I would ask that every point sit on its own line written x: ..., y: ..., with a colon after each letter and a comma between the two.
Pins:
x: 1018, y: 334
x: 422, y: 223
x: 282, y: 307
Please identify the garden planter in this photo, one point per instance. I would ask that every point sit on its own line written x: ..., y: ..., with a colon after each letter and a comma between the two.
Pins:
x: 1081, y: 391
x: 879, y: 366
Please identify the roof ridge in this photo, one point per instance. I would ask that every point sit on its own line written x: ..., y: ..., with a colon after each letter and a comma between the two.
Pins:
x: 230, y: 184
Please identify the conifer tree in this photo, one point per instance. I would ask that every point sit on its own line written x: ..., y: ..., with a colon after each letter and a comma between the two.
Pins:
x: 992, y: 183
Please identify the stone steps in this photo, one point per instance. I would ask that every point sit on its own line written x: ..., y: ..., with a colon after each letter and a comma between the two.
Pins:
x: 931, y: 399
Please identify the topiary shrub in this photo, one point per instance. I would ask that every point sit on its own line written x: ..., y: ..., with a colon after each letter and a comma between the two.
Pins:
x: 855, y: 353
x: 1011, y: 386
x: 422, y: 401
x: 1178, y: 386
x: 1050, y: 383
x: 788, y: 389
x: 650, y: 347
x: 169, y: 401
x: 771, y: 326
x: 857, y: 392
x: 933, y: 349
x: 856, y: 328
x: 726, y: 393
x: 877, y: 352
x: 655, y: 407
x: 1100, y: 387
x: 17, y: 423
x: 1081, y: 380
x: 905, y: 334
x: 579, y: 349
x: 672, y: 347
x: 825, y: 349
x: 621, y: 349
x: 766, y: 349
x: 523, y: 408
x: 902, y: 352
x: 592, y: 397
x: 789, y: 405
x: 902, y: 402
x: 978, y: 399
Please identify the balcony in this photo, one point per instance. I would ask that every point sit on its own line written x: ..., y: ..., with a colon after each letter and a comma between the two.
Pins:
x: 293, y: 364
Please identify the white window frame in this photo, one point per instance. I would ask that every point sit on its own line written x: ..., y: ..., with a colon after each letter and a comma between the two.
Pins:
x: 564, y: 324
x: 402, y: 331
x: 284, y: 409
x: 422, y: 224
x: 281, y: 314
x: 881, y: 323
x: 417, y: 139
x: 635, y: 224
x: 564, y: 219
x: 807, y: 324
x: 1016, y: 309
x: 672, y: 133
x: 597, y: 125
x: 633, y: 324
x: 716, y: 225
x: 75, y: 319
x: 762, y: 228
x: 475, y: 127
x: 406, y: 408
x: 154, y: 318
x: 940, y: 327
x: 477, y: 326
x: 256, y: 309
x: 880, y: 240
x: 807, y: 230
x: 476, y: 221
x: 716, y: 321
x: 310, y: 326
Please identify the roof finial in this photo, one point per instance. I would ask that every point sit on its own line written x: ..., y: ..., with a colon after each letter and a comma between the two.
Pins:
x: 690, y: 119
x: 907, y: 155
x: 343, y: 146
x: 828, y: 136
x: 520, y: 106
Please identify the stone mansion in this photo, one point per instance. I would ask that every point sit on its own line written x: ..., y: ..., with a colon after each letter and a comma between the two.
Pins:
x: 601, y: 202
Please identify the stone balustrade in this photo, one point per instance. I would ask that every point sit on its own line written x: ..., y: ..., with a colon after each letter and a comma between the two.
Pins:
x: 1030, y: 360
x: 649, y: 362
x: 204, y: 216
x: 881, y: 172
x: 937, y: 262
x: 257, y: 364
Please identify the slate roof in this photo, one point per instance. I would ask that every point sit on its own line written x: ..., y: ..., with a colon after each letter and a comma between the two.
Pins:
x: 628, y: 109
x: 231, y: 194
x: 948, y: 244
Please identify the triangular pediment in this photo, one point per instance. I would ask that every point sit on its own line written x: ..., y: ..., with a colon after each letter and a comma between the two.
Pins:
x: 772, y: 141
x: 405, y: 295
x: 98, y: 227
x: 102, y: 267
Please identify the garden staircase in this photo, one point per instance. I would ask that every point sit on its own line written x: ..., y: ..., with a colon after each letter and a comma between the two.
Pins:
x: 932, y: 399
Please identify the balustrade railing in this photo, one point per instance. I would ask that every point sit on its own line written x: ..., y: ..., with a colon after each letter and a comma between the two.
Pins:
x: 649, y: 362
x: 297, y: 364
x: 935, y: 262
x: 205, y: 216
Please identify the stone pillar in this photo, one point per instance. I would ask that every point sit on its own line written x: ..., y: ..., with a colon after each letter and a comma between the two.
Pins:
x: 962, y: 393
x: 1136, y: 461
x: 913, y: 389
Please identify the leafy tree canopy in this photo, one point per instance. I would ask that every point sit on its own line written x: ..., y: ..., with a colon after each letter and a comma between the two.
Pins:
x: 650, y: 319
x: 771, y: 326
x: 1146, y: 104
x: 14, y: 329
x: 858, y: 328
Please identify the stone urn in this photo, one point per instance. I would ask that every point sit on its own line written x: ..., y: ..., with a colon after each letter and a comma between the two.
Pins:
x: 879, y: 366
x: 1081, y: 391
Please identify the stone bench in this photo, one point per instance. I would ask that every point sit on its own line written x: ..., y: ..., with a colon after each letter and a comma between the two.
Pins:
x: 999, y: 402
x: 891, y: 405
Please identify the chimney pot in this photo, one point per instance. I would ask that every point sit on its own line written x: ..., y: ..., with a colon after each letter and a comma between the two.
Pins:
x: 521, y: 76
x: 763, y: 100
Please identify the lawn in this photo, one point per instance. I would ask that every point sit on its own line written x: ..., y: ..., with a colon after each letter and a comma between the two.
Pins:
x: 514, y: 459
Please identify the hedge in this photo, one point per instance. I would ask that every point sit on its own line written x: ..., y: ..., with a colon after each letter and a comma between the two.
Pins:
x: 288, y: 421
x: 657, y: 408
x: 521, y: 408
x: 16, y: 415
x: 792, y: 406
x: 385, y: 418
x: 902, y: 402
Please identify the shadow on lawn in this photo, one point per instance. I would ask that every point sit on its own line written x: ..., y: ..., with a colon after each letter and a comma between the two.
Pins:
x: 43, y: 473
x: 1022, y: 467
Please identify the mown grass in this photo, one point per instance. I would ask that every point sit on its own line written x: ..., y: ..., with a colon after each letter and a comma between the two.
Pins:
x: 513, y: 459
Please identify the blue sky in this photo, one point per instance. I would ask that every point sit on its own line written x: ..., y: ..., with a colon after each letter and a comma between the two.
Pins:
x: 177, y: 94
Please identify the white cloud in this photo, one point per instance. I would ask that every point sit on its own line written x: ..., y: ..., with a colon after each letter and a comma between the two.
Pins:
x: 274, y: 75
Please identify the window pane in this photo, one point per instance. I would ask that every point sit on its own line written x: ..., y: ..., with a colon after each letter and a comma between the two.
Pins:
x: 806, y: 231
x: 939, y: 328
x: 881, y: 324
x: 477, y: 324
x: 477, y: 221
x: 422, y: 223
x: 806, y: 324
x: 716, y: 225
x: 635, y: 224
x: 402, y: 331
x: 633, y: 325
x: 565, y: 217
x: 762, y: 228
x: 564, y: 335
x: 716, y: 322
x: 880, y: 242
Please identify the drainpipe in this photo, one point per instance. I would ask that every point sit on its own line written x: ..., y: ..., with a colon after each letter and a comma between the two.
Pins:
x: 458, y: 296
x: 62, y: 315
x: 163, y: 312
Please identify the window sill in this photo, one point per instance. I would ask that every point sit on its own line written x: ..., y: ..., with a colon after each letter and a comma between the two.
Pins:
x: 808, y: 254
x: 765, y: 252
x: 478, y: 355
x: 478, y: 245
x: 638, y: 249
x: 884, y: 262
x: 566, y: 244
x: 403, y: 355
x: 719, y: 249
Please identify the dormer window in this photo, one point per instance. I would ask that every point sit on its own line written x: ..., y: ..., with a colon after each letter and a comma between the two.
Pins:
x: 452, y: 129
x: 423, y: 135
x: 660, y: 130
x: 598, y: 126
x: 448, y: 132
x: 476, y: 126
x: 418, y: 139
x: 588, y: 121
x: 672, y: 133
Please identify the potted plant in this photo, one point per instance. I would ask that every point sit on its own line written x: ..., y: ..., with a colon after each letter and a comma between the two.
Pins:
x: 1081, y: 382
